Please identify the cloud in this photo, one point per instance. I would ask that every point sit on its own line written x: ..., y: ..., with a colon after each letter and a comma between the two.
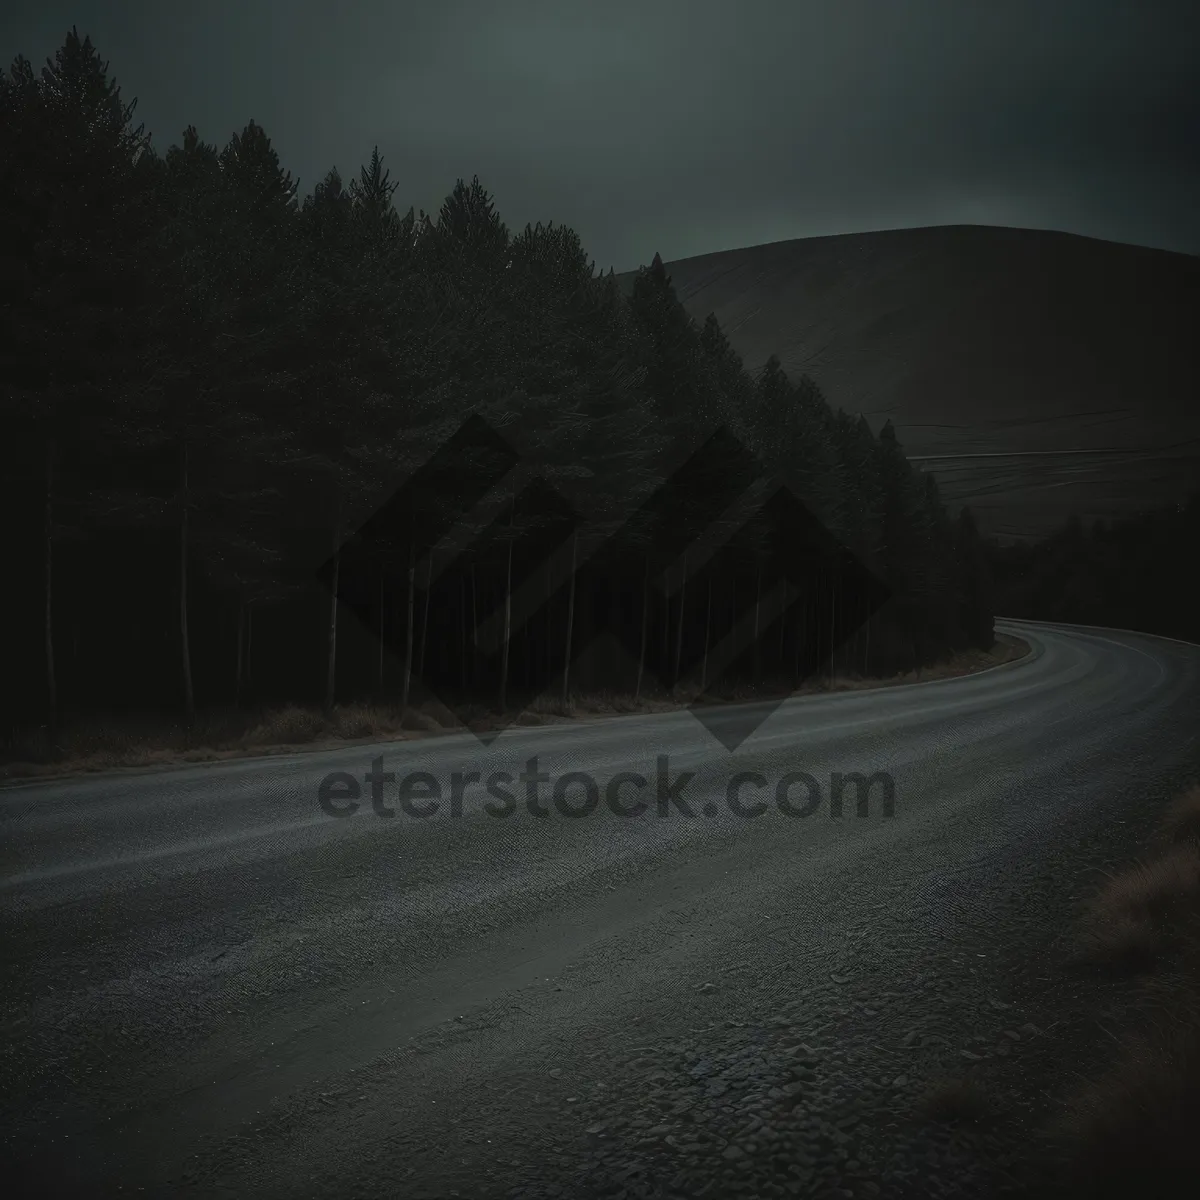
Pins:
x: 690, y: 125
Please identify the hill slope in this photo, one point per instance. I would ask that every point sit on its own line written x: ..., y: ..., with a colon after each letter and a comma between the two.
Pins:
x: 975, y: 340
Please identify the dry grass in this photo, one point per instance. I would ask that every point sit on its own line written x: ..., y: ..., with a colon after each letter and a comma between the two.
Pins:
x: 1159, y: 890
x: 152, y: 740
x: 1142, y: 915
x: 1133, y: 1131
x: 131, y: 741
x: 1182, y: 820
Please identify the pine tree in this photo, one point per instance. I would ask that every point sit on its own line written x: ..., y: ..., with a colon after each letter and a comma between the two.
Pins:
x: 359, y: 395
x: 71, y: 201
x: 380, y: 227
x: 730, y: 384
x: 671, y: 354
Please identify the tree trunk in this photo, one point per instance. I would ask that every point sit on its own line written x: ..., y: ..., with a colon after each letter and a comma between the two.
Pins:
x: 241, y: 640
x: 645, y: 629
x: 665, y: 671
x: 548, y: 625
x: 801, y: 629
x: 48, y: 533
x: 507, y: 629
x: 679, y: 623
x: 818, y: 634
x: 530, y: 649
x: 832, y: 627
x: 566, y: 679
x: 331, y: 670
x: 707, y: 631
x: 408, y: 634
x: 735, y: 676
x: 462, y: 638
x: 757, y: 609
x: 474, y: 625
x: 512, y: 522
x: 189, y: 698
x: 382, y: 610
x: 787, y: 587
x: 425, y: 615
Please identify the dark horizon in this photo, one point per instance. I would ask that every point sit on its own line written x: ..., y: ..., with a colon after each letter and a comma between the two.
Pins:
x: 1087, y: 237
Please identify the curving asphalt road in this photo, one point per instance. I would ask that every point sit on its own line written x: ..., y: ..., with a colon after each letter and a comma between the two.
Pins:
x: 214, y: 988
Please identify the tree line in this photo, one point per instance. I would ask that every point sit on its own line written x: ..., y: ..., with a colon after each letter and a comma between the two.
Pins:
x: 213, y: 385
x: 1130, y: 573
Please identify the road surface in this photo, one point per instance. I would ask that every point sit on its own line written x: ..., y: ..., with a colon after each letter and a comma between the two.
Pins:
x: 213, y: 987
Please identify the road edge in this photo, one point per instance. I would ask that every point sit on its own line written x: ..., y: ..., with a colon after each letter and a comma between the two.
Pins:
x: 1033, y: 652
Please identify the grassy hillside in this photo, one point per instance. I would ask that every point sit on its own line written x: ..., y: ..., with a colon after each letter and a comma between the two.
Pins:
x: 974, y: 340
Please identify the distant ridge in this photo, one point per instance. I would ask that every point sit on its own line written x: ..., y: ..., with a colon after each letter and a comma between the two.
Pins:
x: 978, y: 339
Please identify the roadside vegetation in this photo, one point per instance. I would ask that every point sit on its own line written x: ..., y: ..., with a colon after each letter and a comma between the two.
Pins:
x: 1126, y: 574
x: 155, y: 739
x: 1132, y: 1130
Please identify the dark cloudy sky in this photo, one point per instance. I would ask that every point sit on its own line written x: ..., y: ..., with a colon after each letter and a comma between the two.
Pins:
x: 684, y: 126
